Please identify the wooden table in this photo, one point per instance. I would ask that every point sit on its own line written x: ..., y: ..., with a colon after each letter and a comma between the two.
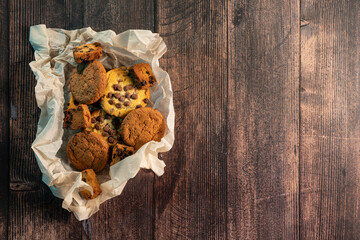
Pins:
x: 267, y: 101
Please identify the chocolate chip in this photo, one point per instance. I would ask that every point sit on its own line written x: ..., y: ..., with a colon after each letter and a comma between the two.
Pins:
x: 125, y: 88
x: 105, y: 134
x: 147, y: 72
x: 93, y: 120
x: 76, y: 102
x: 91, y: 49
x: 107, y: 116
x: 98, y: 119
x: 151, y: 81
x: 106, y: 128
x: 127, y: 103
x: 79, y: 108
x: 115, y: 87
x: 111, y: 102
x: 151, y: 78
x: 146, y: 100
x: 112, y: 132
x: 118, y: 105
x: 111, y: 139
x: 127, y: 95
x: 138, y: 106
x: 110, y: 95
x: 122, y: 98
x: 81, y: 51
x: 129, y: 87
x: 117, y: 95
x: 143, y: 83
x: 134, y: 96
x: 97, y: 126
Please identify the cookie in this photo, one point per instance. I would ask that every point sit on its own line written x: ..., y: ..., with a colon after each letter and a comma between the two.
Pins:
x: 120, y: 152
x: 105, y: 125
x: 120, y: 96
x: 142, y: 75
x: 87, y: 52
x: 77, y: 117
x: 88, y: 150
x: 141, y: 126
x: 89, y: 176
x: 89, y: 86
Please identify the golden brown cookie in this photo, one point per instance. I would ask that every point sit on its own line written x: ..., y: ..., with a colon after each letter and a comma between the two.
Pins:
x: 88, y: 87
x: 87, y: 52
x: 120, y: 152
x: 141, y: 126
x: 78, y: 117
x: 89, y: 176
x: 142, y: 75
x: 88, y: 150
x: 105, y: 125
x: 121, y: 97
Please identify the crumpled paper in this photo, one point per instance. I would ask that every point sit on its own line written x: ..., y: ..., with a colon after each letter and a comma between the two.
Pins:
x: 52, y: 68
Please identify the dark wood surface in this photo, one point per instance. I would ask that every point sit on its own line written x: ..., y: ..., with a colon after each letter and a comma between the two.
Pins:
x: 267, y: 102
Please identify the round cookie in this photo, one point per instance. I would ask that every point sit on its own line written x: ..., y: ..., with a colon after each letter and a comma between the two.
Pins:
x: 105, y: 125
x: 89, y: 86
x: 88, y: 150
x: 141, y: 126
x: 121, y: 96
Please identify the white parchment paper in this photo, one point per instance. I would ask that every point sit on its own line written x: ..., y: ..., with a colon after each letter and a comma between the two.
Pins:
x: 52, y: 67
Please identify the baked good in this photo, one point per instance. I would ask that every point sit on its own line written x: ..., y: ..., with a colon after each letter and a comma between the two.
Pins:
x: 77, y: 117
x: 72, y: 103
x: 120, y: 96
x: 89, y: 176
x: 141, y: 126
x: 105, y: 125
x: 87, y: 52
x: 88, y: 150
x: 120, y: 152
x: 88, y: 87
x: 142, y: 75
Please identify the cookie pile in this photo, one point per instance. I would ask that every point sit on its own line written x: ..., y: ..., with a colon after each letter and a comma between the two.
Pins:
x: 110, y: 110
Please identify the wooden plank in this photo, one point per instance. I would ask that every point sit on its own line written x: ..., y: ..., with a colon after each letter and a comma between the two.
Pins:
x: 4, y: 119
x: 34, y: 212
x: 191, y: 197
x: 263, y: 120
x: 129, y: 216
x: 330, y: 132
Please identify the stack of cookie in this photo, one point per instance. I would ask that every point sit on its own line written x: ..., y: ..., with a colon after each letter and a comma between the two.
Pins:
x: 110, y: 109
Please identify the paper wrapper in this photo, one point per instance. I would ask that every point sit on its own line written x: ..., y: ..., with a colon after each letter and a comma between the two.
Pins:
x: 52, y: 67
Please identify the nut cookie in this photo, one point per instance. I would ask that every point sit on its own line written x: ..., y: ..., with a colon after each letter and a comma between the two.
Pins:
x: 77, y: 117
x: 88, y: 87
x: 87, y: 52
x: 88, y: 150
x: 120, y: 96
x: 141, y: 126
x: 142, y: 75
x: 105, y: 125
x: 89, y: 176
x: 120, y: 152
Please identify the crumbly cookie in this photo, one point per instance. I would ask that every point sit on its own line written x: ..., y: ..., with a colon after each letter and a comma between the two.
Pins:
x: 89, y: 86
x: 78, y: 117
x: 88, y: 150
x: 141, y: 126
x: 89, y: 176
x: 120, y: 152
x: 105, y: 125
x: 87, y: 52
x: 120, y: 96
x: 142, y: 75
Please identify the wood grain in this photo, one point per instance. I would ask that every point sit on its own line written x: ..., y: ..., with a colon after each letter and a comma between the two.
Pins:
x: 34, y: 213
x: 191, y: 196
x: 263, y: 120
x: 129, y: 216
x: 4, y: 119
x: 330, y: 132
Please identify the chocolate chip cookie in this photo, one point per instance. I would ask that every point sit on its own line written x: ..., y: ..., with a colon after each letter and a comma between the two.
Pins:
x: 120, y: 152
x: 88, y: 150
x: 105, y: 125
x: 89, y: 176
x: 88, y: 86
x: 77, y: 117
x: 121, y: 96
x: 141, y: 126
x: 142, y: 75
x: 87, y: 52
